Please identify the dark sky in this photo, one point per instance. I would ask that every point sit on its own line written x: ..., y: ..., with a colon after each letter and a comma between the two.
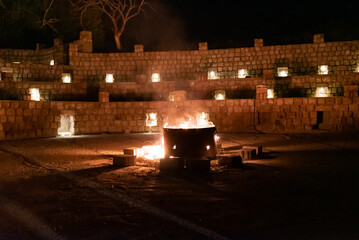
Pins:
x: 181, y: 24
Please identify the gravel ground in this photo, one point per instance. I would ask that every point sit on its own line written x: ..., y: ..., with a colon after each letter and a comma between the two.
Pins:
x: 305, y: 186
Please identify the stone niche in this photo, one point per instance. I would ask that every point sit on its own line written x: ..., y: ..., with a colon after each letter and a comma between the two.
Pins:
x: 66, y: 125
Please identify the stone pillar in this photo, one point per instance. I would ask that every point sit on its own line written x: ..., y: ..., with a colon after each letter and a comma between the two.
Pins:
x: 351, y: 91
x: 103, y: 97
x: 203, y: 46
x: 268, y: 73
x: 318, y: 38
x: 139, y: 48
x: 261, y: 92
x: 202, y: 76
x: 258, y: 43
x: 178, y: 96
x: 341, y: 70
x: 141, y: 78
x: 86, y: 41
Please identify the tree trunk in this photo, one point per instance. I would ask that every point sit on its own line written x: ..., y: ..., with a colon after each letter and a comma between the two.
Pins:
x: 117, y: 37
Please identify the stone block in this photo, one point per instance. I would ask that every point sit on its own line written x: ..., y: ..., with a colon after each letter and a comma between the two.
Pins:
x: 178, y: 96
x: 198, y: 165
x: 138, y: 48
x: 124, y: 160
x: 230, y: 160
x: 131, y: 151
x: 258, y: 149
x: 318, y: 38
x: 171, y: 164
x: 202, y: 46
x: 258, y: 42
x: 247, y: 154
x: 261, y: 92
x: 103, y: 97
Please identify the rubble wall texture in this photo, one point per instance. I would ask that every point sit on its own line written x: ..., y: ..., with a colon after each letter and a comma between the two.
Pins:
x: 29, y: 119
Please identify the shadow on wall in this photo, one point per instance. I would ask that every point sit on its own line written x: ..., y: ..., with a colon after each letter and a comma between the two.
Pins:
x: 285, y: 92
x: 133, y: 97
x: 9, y: 95
x: 230, y: 94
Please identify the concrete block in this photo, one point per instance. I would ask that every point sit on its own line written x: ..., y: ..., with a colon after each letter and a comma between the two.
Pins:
x: 259, y: 149
x: 124, y: 161
x: 248, y: 154
x: 171, y: 164
x: 230, y: 160
x: 198, y: 165
x: 131, y: 151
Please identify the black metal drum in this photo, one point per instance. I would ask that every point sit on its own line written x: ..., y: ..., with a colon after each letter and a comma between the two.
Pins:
x: 190, y: 142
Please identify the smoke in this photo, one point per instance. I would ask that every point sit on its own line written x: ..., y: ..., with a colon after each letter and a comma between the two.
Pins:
x: 158, y: 28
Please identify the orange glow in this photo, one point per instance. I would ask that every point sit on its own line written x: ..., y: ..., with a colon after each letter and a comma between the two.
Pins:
x: 151, y: 152
x: 201, y: 121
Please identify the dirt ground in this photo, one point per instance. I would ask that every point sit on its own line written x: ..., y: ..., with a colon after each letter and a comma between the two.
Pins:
x: 304, y: 187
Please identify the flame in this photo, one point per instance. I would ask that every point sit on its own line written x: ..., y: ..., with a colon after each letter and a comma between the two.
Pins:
x: 201, y: 121
x: 152, y: 152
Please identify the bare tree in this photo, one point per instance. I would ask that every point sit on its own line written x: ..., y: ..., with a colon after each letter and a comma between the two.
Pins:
x: 2, y: 4
x: 46, y: 20
x: 119, y: 12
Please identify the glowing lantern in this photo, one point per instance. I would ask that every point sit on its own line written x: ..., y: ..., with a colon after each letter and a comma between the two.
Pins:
x: 52, y: 62
x: 212, y: 75
x: 282, y: 72
x: 109, y: 78
x: 242, y: 73
x: 323, y: 70
x: 270, y: 93
x: 35, y: 94
x: 151, y: 119
x: 66, y: 78
x: 156, y: 77
x: 322, y: 92
x: 220, y: 95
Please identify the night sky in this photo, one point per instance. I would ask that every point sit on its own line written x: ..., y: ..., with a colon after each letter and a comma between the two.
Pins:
x: 181, y: 24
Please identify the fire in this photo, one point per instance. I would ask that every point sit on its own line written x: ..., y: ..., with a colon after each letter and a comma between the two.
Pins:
x: 153, y: 152
x: 201, y: 121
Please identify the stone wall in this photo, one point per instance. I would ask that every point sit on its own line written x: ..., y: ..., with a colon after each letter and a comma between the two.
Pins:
x: 29, y: 119
x: 48, y: 91
x: 188, y: 70
x: 41, y: 55
x: 30, y: 72
x: 301, y: 59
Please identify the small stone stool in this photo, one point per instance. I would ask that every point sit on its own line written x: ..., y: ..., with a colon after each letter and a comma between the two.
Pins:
x: 259, y: 149
x: 230, y: 160
x: 124, y: 160
x: 130, y: 151
x: 247, y: 154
